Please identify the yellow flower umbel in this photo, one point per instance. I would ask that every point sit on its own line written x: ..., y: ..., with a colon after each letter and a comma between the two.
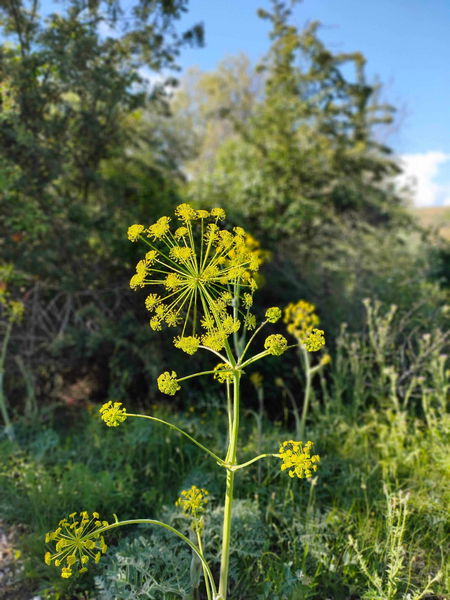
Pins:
x: 301, y: 321
x: 196, y: 266
x: 298, y: 459
x: 78, y: 542
x: 112, y: 413
x: 193, y: 501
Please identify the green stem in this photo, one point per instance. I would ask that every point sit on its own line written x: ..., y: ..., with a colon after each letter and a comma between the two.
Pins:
x: 230, y: 459
x: 193, y: 547
x: 3, y: 408
x: 307, y: 394
x: 172, y: 426
x: 205, y: 574
x: 251, y: 461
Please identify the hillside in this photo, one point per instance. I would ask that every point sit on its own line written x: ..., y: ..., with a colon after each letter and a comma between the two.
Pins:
x: 436, y: 217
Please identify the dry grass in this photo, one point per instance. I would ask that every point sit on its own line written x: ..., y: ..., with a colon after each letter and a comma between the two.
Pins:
x: 437, y: 218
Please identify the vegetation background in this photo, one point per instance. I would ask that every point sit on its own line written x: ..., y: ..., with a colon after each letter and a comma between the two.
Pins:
x: 291, y: 148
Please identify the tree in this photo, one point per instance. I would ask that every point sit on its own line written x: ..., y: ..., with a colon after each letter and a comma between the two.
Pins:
x: 302, y: 165
x: 67, y: 95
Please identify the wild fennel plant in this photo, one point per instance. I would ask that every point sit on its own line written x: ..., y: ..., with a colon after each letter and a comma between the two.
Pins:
x: 204, y: 276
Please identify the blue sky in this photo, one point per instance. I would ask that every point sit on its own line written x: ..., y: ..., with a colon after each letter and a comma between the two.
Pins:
x: 407, y: 47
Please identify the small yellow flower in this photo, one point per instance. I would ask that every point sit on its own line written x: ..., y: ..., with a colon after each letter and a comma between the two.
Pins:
x: 325, y: 359
x: 155, y: 324
x: 250, y: 321
x: 185, y: 212
x: 315, y: 340
x: 230, y: 325
x: 298, y: 459
x: 223, y: 373
x: 248, y: 300
x: 193, y: 501
x: 151, y: 301
x: 138, y: 280
x: 159, y: 229
x: 202, y: 214
x: 172, y: 281
x: 181, y: 232
x: 219, y: 213
x: 77, y: 541
x: 215, y: 340
x: 276, y: 344
x: 273, y: 314
x: 188, y: 344
x: 134, y: 231
x: 113, y: 414
x: 168, y: 384
x: 181, y: 253
x: 150, y: 257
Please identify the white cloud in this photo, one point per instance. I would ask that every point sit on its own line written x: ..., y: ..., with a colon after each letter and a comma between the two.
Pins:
x: 419, y: 173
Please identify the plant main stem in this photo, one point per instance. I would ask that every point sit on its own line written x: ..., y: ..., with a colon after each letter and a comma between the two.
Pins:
x: 228, y: 508
x: 307, y: 394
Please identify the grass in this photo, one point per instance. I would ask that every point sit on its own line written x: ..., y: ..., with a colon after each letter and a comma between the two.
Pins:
x: 372, y: 525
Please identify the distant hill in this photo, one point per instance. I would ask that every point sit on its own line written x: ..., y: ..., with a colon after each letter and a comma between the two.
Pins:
x: 437, y: 217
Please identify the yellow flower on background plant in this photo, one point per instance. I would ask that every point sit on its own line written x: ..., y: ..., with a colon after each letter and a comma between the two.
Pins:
x: 297, y: 458
x: 193, y: 501
x: 301, y: 322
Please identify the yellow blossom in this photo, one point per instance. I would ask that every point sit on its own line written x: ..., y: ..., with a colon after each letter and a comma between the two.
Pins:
x: 185, y: 212
x: 276, y: 344
x: 315, y: 340
x: 298, y: 459
x: 199, y: 274
x: 181, y: 232
x: 159, y: 229
x: 151, y: 301
x: 250, y: 321
x: 273, y: 314
x: 223, y: 372
x: 77, y: 542
x: 134, y: 231
x: 181, y: 253
x: 168, y: 384
x: 214, y: 340
x: 193, y: 501
x: 113, y: 414
x: 219, y: 213
x: 188, y: 344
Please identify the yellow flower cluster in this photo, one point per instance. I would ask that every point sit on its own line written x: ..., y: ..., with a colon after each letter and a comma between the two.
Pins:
x: 193, y: 501
x: 301, y: 321
x: 315, y: 340
x: 112, y: 413
x: 196, y: 267
x: 188, y: 344
x: 168, y: 384
x: 273, y: 314
x: 13, y: 309
x: 276, y: 344
x: 78, y: 541
x: 223, y: 373
x: 298, y: 459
